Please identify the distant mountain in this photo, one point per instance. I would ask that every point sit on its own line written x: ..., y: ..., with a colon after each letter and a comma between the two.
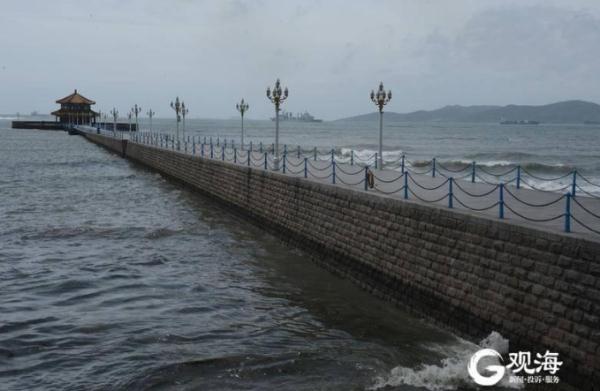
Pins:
x: 573, y: 111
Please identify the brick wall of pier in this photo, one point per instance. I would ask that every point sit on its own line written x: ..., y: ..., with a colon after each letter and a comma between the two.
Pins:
x: 113, y: 144
x: 471, y: 274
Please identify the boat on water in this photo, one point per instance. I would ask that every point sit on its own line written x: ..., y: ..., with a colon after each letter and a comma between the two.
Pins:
x: 520, y: 122
x: 591, y: 122
x: 299, y: 117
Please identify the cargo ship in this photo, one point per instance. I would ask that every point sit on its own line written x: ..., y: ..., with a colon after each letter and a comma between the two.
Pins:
x: 300, y: 117
x: 521, y: 122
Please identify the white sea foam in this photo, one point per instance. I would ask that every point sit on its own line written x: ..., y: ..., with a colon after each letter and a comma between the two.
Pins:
x: 367, y: 156
x: 590, y: 189
x: 495, y: 163
x: 549, y: 170
x: 395, y: 155
x: 451, y: 372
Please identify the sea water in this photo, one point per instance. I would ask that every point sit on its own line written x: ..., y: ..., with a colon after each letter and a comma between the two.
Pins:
x: 546, y: 151
x: 114, y: 278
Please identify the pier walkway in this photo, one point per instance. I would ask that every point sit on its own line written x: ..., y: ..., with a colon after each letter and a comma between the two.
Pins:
x: 464, y: 190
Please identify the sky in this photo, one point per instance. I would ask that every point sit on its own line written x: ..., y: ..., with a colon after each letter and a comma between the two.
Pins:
x: 329, y: 53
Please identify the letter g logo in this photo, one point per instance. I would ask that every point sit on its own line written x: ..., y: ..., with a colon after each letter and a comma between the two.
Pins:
x: 498, y: 370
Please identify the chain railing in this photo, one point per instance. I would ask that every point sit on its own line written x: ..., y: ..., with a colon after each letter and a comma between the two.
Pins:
x: 433, y: 183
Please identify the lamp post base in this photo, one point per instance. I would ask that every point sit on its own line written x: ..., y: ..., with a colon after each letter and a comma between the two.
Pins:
x: 276, y: 164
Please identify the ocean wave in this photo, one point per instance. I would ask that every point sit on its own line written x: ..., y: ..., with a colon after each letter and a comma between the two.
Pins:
x: 451, y: 372
x: 53, y: 233
x: 553, y: 168
x: 161, y: 233
x: 19, y: 325
x: 501, y: 161
x: 155, y: 260
x: 6, y: 354
x: 547, y: 176
x: 367, y: 155
x: 72, y: 285
x: 70, y: 163
x: 528, y: 161
x: 507, y: 156
x: 224, y: 372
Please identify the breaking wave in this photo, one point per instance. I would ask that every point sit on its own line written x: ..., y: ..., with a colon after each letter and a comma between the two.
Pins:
x: 450, y: 373
x: 368, y: 155
x: 495, y: 167
x: 499, y: 161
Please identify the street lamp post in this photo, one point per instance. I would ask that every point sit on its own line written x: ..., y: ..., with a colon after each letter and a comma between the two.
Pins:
x: 242, y: 107
x: 129, y: 117
x: 136, y: 110
x: 150, y: 115
x: 177, y: 107
x: 115, y: 115
x: 381, y: 98
x: 277, y: 96
x: 184, y: 111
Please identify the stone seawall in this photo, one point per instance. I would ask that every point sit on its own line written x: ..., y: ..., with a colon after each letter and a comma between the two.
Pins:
x: 116, y: 145
x: 471, y: 274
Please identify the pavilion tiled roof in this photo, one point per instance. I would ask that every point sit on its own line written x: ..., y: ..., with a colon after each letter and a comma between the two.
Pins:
x: 74, y: 113
x: 76, y: 98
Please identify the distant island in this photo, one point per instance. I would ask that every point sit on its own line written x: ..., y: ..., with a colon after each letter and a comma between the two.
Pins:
x: 573, y: 111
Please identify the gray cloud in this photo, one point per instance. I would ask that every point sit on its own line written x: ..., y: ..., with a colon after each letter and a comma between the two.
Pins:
x: 526, y: 54
x: 329, y: 53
